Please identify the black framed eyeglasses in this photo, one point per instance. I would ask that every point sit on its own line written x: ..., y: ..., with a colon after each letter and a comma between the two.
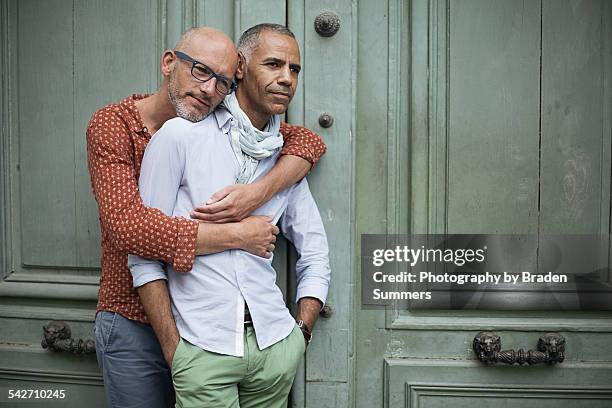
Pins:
x: 203, y: 73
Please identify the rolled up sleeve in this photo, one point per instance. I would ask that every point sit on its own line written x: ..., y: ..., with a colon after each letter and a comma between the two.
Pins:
x: 145, y: 270
x: 302, y: 225
x: 302, y: 142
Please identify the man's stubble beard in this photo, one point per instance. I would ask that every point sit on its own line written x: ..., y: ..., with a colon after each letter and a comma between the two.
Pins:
x: 178, y: 102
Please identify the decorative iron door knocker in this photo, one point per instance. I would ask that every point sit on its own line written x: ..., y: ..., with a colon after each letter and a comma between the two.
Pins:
x: 57, y: 336
x: 550, y: 350
x: 327, y: 23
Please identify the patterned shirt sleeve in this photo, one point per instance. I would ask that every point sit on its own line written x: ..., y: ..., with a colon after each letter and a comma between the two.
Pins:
x: 302, y: 142
x: 132, y: 227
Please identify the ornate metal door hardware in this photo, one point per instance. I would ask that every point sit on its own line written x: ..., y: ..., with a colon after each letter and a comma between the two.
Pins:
x: 57, y: 336
x: 327, y: 23
x: 326, y: 120
x: 550, y: 350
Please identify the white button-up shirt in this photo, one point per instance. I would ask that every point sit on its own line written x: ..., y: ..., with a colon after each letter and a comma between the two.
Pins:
x: 184, y: 164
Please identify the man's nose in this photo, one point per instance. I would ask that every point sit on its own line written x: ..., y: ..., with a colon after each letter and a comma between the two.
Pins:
x: 285, y: 78
x: 208, y: 87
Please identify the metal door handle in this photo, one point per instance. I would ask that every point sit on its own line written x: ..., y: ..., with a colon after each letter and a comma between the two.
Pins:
x: 326, y: 120
x: 57, y: 336
x: 550, y: 350
x: 327, y: 23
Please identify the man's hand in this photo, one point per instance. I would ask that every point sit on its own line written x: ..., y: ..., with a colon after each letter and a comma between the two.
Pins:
x: 258, y: 235
x: 156, y: 302
x: 169, y: 349
x: 308, y: 312
x: 231, y: 204
x: 236, y: 202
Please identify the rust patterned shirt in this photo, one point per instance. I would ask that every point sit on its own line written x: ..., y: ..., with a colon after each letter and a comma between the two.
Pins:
x: 116, y: 141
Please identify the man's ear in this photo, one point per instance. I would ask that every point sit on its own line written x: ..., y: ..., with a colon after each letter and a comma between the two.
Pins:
x: 241, y: 70
x: 167, y: 62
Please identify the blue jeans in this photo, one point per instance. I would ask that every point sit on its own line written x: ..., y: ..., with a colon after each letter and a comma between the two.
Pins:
x: 133, y: 366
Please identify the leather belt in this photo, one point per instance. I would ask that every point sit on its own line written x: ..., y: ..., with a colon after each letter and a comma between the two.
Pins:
x: 248, y: 322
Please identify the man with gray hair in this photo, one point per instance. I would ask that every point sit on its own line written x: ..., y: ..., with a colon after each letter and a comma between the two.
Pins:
x: 239, y: 345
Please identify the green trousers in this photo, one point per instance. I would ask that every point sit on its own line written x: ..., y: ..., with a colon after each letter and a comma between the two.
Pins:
x: 262, y: 378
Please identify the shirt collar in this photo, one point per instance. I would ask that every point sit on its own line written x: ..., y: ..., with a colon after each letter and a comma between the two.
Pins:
x: 136, y: 122
x: 223, y: 117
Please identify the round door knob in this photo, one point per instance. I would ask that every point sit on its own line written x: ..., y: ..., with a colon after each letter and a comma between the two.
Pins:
x: 326, y: 120
x: 327, y: 23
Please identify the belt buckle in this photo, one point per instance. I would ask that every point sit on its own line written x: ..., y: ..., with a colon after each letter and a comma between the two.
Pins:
x: 247, y: 320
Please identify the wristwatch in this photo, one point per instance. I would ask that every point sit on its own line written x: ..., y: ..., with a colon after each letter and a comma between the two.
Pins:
x: 305, y: 331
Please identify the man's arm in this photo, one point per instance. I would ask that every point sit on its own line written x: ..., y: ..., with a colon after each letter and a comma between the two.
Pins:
x: 302, y: 225
x: 160, y: 179
x: 302, y: 149
x: 131, y: 226
x: 308, y: 312
x: 156, y: 302
x: 145, y: 231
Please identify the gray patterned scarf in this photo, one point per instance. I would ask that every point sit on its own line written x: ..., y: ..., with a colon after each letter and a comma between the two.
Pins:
x: 249, y: 143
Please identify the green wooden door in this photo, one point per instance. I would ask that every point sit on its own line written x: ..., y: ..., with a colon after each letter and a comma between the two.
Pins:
x: 450, y: 116
x: 62, y: 60
x: 482, y: 116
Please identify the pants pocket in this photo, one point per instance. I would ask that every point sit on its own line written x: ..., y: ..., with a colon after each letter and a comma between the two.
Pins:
x: 176, y: 356
x: 104, y: 329
x: 302, y: 342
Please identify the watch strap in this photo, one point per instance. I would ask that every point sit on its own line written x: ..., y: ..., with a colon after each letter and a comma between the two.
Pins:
x: 306, y: 332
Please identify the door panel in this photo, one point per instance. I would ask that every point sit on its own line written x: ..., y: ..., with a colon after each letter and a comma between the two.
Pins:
x: 481, y: 152
x: 63, y: 78
x: 418, y: 383
x: 465, y: 384
x: 470, y: 116
x: 493, y: 119
x: 64, y: 60
x: 575, y: 113
x: 43, y: 61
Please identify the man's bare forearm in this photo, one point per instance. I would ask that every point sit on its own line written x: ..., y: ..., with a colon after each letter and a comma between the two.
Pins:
x: 287, y: 171
x: 156, y: 302
x: 255, y: 234
x: 308, y: 310
x: 213, y: 238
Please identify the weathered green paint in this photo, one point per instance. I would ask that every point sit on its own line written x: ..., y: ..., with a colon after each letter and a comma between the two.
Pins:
x: 493, y: 117
x: 5, y: 153
x: 247, y: 13
x: 216, y: 13
x: 444, y: 383
x: 450, y: 115
x: 466, y: 77
x: 47, y: 236
x: 575, y: 112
